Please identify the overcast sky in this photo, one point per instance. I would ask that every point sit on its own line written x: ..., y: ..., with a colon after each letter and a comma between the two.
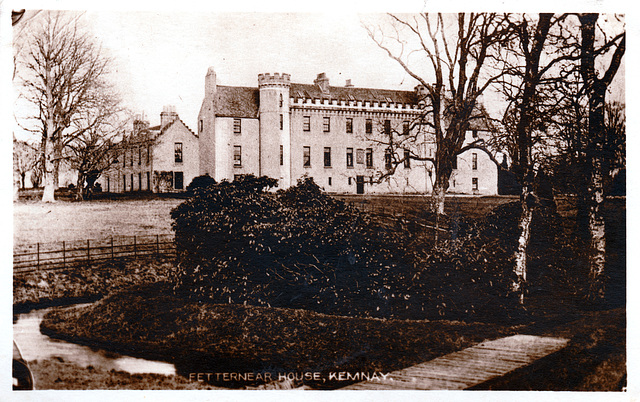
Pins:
x: 161, y: 57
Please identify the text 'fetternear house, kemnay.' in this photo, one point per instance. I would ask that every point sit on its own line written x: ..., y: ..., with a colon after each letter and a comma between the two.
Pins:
x: 286, y: 131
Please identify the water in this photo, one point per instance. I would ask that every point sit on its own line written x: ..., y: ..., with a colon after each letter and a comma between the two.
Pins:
x: 36, y: 346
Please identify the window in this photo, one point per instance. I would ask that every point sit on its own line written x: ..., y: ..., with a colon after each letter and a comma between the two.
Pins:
x: 474, y: 161
x: 131, y: 183
x: 148, y: 153
x: 178, y: 152
x: 131, y: 161
x: 281, y: 155
x: 237, y: 156
x: 140, y: 155
x: 405, y: 127
x: 237, y: 126
x: 407, y: 159
x: 329, y: 180
x: 306, y: 123
x: 387, y: 127
x: 474, y: 183
x: 281, y: 100
x: 369, y: 158
x: 124, y: 183
x: 124, y: 158
x: 148, y: 182
x: 281, y: 122
x: 387, y: 159
x: 178, y: 180
x: 349, y: 125
x: 327, y: 157
x: 326, y: 124
x: 139, y: 181
x: 474, y: 133
x: 368, y: 126
x: 360, y: 156
x: 306, y: 156
x: 349, y: 157
x: 200, y: 125
x: 349, y: 180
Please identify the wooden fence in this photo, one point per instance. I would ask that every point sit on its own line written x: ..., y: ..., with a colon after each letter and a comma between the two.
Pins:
x: 62, y: 254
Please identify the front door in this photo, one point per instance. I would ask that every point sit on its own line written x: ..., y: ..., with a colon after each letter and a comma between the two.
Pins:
x: 359, y: 184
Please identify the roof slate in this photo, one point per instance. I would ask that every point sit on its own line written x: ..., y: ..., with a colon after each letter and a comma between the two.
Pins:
x: 353, y: 94
x: 237, y: 102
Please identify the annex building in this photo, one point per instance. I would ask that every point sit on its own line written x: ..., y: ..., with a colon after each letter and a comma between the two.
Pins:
x: 162, y: 158
x: 334, y: 134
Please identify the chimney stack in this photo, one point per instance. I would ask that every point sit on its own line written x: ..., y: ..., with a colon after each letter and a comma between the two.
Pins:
x: 167, y: 116
x: 323, y: 82
x: 348, y: 84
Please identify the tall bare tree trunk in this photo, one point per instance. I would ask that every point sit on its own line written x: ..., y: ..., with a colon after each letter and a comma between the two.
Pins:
x: 526, y: 217
x: 49, y: 186
x: 439, y: 197
x: 596, y: 89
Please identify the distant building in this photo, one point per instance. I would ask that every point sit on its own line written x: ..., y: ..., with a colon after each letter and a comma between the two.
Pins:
x: 287, y: 130
x: 163, y: 158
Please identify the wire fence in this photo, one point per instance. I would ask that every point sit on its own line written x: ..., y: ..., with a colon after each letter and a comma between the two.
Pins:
x: 63, y: 254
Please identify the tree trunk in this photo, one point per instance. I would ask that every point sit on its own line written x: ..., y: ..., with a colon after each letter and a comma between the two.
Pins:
x: 597, y: 231
x: 57, y: 157
x: 439, y: 198
x: 49, y: 186
x: 80, y: 187
x: 524, y: 225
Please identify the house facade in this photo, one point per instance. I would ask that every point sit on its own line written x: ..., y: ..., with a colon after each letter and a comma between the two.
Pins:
x: 287, y: 130
x: 163, y: 158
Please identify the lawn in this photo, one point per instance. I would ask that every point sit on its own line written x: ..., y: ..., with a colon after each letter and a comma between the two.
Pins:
x: 64, y: 220
x: 34, y: 221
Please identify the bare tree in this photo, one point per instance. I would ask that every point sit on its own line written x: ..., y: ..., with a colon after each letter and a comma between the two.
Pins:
x: 455, y: 50
x: 93, y: 145
x: 595, y: 91
x: 62, y: 70
x: 25, y: 160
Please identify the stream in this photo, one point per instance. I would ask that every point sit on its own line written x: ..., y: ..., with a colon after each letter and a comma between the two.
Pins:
x: 36, y: 346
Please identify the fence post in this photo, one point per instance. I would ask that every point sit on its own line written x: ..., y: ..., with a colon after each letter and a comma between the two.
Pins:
x: 64, y: 256
x: 135, y: 253
x: 38, y: 254
x: 88, y: 253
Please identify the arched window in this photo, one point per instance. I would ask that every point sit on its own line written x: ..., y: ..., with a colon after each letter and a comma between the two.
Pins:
x: 281, y: 100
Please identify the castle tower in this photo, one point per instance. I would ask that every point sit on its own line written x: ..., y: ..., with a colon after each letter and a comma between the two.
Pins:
x: 206, y: 125
x: 275, y: 132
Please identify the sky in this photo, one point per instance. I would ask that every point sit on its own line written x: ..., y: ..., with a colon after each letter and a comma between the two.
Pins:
x: 160, y: 57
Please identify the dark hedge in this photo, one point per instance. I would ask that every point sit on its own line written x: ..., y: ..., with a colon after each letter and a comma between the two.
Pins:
x: 300, y: 248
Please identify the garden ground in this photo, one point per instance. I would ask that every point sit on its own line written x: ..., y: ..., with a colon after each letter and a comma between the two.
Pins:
x: 598, y: 349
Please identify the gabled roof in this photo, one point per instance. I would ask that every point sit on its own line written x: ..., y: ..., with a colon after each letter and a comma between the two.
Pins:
x: 165, y: 128
x: 352, y: 94
x: 237, y: 102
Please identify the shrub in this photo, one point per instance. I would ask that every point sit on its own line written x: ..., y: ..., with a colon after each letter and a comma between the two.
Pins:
x: 203, y: 181
x: 297, y: 248
x: 300, y: 248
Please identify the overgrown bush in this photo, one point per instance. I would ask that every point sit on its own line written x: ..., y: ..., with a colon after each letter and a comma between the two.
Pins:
x: 239, y: 243
x: 297, y: 248
x: 198, y: 182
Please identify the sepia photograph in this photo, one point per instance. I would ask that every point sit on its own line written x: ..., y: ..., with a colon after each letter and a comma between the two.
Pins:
x: 318, y: 201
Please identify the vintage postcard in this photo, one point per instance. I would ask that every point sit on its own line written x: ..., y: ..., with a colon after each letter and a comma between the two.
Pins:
x: 348, y: 201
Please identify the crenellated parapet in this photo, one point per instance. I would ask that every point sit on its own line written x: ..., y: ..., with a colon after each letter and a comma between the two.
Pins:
x: 274, y: 80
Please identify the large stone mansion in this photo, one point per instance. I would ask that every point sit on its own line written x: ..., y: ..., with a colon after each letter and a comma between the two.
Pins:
x: 287, y: 130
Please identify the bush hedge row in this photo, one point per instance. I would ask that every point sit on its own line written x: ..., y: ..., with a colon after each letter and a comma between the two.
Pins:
x: 240, y: 243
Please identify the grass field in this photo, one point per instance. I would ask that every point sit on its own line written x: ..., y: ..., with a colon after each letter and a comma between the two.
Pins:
x: 37, y: 222
x: 34, y: 221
